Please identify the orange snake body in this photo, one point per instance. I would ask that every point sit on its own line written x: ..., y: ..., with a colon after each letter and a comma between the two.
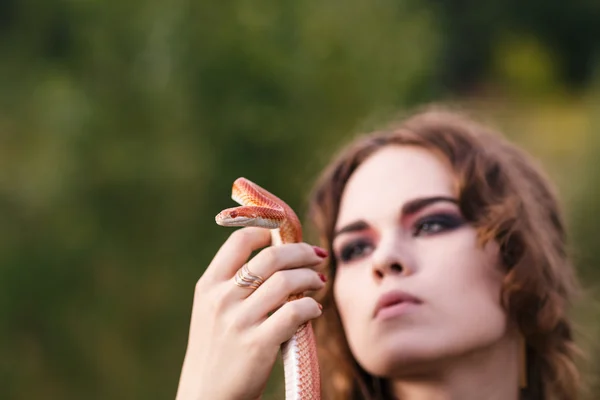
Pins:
x: 261, y: 208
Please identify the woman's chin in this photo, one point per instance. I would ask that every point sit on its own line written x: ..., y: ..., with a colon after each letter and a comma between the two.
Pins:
x: 404, y: 355
x: 397, y: 361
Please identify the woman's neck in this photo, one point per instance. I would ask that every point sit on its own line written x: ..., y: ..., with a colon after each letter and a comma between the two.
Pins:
x: 491, y: 373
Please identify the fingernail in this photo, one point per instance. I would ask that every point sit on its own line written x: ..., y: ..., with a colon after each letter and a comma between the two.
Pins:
x: 320, y: 306
x: 320, y: 252
x: 323, y: 277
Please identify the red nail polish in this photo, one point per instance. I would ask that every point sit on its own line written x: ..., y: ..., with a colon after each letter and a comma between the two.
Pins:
x: 320, y: 252
x: 323, y: 277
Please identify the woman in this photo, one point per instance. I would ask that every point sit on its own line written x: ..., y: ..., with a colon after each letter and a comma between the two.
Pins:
x: 448, y: 277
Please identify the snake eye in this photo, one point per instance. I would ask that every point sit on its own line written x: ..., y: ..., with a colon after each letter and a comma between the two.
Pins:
x: 233, y: 214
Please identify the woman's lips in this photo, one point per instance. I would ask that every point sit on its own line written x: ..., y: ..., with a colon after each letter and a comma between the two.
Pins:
x: 395, y: 303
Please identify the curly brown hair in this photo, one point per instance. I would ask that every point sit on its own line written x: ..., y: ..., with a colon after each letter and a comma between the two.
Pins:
x: 502, y: 193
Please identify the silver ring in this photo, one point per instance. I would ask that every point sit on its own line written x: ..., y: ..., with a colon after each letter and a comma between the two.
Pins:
x: 246, y: 279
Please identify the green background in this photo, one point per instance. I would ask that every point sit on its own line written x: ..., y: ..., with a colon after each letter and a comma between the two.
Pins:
x: 124, y: 123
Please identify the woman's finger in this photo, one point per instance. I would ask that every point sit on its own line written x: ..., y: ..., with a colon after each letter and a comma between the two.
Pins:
x: 236, y: 250
x: 286, y: 256
x: 273, y: 259
x: 284, y: 322
x: 275, y: 291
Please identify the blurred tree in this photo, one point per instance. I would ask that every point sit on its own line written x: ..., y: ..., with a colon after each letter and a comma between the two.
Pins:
x: 472, y: 29
x: 123, y: 124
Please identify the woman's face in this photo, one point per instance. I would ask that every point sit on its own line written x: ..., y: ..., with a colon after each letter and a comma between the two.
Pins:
x: 412, y: 286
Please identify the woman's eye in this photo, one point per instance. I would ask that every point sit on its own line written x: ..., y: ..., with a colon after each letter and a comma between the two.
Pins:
x: 437, y: 223
x: 354, y: 250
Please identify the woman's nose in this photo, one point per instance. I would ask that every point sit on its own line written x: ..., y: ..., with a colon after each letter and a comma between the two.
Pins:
x: 391, y: 258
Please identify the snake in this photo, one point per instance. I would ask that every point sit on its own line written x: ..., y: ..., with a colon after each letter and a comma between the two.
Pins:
x: 259, y: 207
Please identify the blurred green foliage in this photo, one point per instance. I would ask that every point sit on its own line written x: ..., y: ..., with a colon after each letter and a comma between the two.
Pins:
x: 123, y: 124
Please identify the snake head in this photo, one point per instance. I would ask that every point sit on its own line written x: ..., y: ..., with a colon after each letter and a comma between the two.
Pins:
x: 247, y: 216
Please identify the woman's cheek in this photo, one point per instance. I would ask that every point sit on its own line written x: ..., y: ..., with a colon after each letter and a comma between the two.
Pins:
x: 477, y: 311
x: 340, y: 294
x: 352, y: 306
x: 347, y: 296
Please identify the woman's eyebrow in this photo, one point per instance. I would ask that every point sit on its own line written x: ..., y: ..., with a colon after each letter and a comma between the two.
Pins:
x: 416, y: 205
x: 359, y: 225
x: 412, y: 207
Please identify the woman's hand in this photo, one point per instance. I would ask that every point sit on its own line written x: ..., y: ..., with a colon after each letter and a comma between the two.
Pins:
x: 233, y: 341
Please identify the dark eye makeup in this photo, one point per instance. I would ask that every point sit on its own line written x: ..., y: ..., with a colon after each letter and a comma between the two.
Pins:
x: 355, y: 249
x: 426, y: 226
x: 437, y: 223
